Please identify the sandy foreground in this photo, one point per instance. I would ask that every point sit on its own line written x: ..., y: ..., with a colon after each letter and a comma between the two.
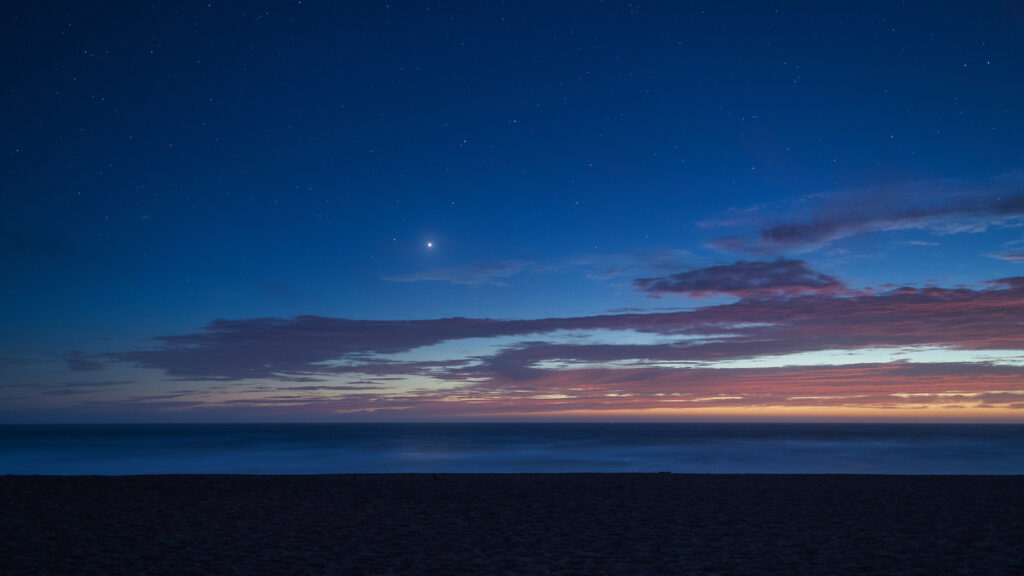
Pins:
x: 512, y: 524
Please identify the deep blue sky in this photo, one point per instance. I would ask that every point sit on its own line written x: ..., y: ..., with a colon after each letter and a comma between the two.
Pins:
x: 169, y: 164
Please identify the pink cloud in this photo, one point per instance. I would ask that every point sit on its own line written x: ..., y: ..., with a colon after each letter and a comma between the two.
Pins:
x: 310, y: 346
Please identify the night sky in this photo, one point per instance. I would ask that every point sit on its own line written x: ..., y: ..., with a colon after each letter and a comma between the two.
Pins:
x: 307, y: 211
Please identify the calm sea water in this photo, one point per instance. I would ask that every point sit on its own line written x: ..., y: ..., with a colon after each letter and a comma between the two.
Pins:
x: 347, y: 448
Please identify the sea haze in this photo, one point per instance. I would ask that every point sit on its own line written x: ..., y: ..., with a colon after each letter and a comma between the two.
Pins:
x: 390, y: 448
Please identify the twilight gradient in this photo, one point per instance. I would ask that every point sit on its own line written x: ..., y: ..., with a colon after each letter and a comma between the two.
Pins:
x: 419, y: 211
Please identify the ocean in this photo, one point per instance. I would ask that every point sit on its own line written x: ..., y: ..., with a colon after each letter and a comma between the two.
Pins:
x: 446, y: 448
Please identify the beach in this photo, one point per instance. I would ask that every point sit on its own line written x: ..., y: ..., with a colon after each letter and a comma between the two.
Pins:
x: 512, y: 524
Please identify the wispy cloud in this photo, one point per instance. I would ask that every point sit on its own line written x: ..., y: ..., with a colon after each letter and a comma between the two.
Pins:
x: 81, y: 362
x: 6, y: 361
x: 594, y: 266
x: 608, y: 266
x: 310, y: 346
x: 746, y: 280
x: 70, y: 388
x: 494, y: 273
x: 940, y: 207
x: 1008, y: 257
x: 795, y: 337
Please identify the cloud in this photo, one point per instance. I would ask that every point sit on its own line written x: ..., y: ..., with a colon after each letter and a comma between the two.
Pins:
x: 867, y: 382
x: 67, y: 391
x: 608, y: 266
x: 6, y: 361
x: 746, y: 280
x: 72, y: 388
x: 493, y: 273
x: 301, y: 346
x: 595, y: 267
x: 596, y: 391
x: 941, y: 207
x: 81, y: 362
x: 1008, y: 257
x: 825, y: 321
x: 70, y: 384
x: 326, y: 388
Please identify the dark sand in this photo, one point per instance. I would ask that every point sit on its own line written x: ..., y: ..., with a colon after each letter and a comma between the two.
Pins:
x: 512, y: 524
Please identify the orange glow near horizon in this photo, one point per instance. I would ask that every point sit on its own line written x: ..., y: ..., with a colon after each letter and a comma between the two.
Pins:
x: 914, y: 413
